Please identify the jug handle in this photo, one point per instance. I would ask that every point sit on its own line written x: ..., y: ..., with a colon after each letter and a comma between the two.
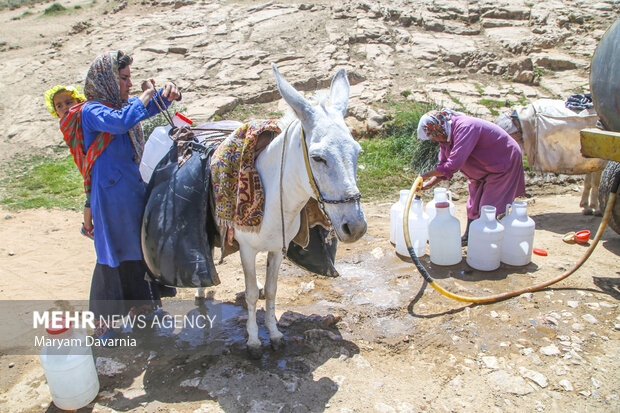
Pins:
x: 507, y: 207
x: 449, y: 193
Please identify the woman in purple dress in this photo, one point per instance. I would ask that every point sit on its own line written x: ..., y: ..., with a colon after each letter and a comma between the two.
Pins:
x: 489, y: 158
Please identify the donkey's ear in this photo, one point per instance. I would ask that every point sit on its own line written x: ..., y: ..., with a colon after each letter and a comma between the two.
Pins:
x: 303, y: 109
x: 339, y: 92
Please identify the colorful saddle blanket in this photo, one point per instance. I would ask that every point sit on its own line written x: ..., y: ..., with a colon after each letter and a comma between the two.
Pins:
x: 237, y: 188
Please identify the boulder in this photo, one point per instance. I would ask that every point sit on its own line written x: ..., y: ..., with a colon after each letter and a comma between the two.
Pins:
x: 434, y: 25
x: 555, y: 62
x: 525, y: 76
x: 508, y: 13
x: 375, y: 121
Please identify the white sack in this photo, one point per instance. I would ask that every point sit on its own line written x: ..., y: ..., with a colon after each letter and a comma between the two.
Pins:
x: 551, y: 139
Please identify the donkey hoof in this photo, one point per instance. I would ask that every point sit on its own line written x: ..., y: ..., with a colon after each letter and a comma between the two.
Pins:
x: 277, y: 343
x: 199, y: 301
x: 255, y: 352
x: 598, y: 213
x: 588, y: 211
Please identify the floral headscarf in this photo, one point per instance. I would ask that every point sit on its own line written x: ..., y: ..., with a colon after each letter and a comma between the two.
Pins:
x: 103, y: 85
x: 436, y: 124
x: 75, y: 93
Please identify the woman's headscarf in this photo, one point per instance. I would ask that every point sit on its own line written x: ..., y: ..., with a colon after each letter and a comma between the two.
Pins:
x: 436, y: 123
x: 103, y: 85
x: 50, y: 93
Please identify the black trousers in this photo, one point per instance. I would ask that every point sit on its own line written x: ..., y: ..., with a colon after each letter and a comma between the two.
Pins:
x: 115, y: 290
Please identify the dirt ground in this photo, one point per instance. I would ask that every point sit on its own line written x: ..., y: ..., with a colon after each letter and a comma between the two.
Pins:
x: 377, y: 338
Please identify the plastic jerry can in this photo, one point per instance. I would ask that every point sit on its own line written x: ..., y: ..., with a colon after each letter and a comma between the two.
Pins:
x: 485, y: 241
x: 395, y: 209
x: 69, y: 368
x: 439, y: 195
x: 444, y: 236
x: 518, y: 235
x: 156, y: 147
x: 418, y: 230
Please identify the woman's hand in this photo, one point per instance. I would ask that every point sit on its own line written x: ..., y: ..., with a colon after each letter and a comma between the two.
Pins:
x: 148, y: 84
x: 434, y: 176
x: 171, y: 91
x: 428, y: 184
x: 148, y: 89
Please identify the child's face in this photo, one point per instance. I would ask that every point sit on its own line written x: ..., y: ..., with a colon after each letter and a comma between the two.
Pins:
x: 63, y: 102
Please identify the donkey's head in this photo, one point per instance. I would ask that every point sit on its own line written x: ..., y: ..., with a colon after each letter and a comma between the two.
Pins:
x: 332, y: 153
x: 509, y: 121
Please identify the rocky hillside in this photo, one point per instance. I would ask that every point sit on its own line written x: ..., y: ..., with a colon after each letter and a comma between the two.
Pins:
x: 472, y: 55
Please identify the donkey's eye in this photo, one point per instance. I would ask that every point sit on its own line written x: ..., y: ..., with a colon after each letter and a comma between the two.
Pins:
x: 318, y: 159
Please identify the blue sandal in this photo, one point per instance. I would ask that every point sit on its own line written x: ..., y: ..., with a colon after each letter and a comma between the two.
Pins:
x: 88, y: 233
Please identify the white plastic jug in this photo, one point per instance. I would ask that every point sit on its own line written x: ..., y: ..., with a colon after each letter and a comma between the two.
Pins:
x: 395, y: 209
x: 156, y: 147
x: 518, y: 235
x: 444, y: 236
x: 439, y: 195
x: 485, y: 241
x: 69, y: 369
x: 418, y: 230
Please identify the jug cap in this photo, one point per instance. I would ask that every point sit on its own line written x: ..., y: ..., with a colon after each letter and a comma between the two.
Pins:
x: 180, y: 120
x: 442, y: 205
x: 57, y: 328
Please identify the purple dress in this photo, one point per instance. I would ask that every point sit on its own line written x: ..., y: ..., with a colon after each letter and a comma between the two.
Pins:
x: 489, y: 158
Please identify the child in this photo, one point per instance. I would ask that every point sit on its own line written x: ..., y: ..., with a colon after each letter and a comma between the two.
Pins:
x: 59, y: 100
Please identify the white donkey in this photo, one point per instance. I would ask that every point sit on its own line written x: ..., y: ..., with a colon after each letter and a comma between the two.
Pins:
x: 332, y: 154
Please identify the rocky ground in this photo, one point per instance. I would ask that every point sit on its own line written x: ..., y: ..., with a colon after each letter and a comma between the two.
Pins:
x: 381, y: 339
x: 463, y: 54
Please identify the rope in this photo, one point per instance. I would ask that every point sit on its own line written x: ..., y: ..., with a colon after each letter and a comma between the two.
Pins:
x: 162, y: 108
x: 281, y: 190
x: 417, y: 185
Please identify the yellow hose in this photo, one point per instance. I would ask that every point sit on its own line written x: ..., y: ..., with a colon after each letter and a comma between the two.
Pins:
x: 417, y: 186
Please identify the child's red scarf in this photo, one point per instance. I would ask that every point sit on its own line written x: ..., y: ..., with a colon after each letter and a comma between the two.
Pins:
x: 71, y: 127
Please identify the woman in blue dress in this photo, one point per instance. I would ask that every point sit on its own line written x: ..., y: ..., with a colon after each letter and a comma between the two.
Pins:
x: 118, y: 192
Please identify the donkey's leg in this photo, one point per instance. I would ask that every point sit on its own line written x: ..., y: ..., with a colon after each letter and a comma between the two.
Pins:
x: 248, y: 260
x: 587, y: 185
x: 594, y: 204
x: 261, y: 290
x: 199, y: 297
x: 274, y: 258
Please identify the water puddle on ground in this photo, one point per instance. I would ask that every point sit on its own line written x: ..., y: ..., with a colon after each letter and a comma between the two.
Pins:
x: 375, y: 293
x: 372, y: 292
x: 378, y: 278
x: 364, y: 285
x: 216, y: 324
